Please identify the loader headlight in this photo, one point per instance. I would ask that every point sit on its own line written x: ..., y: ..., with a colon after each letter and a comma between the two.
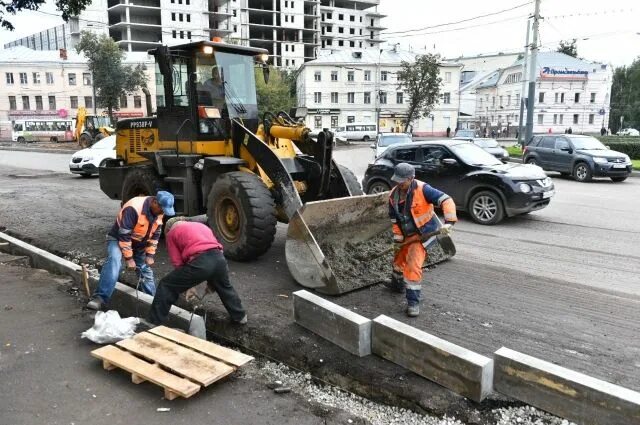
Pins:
x: 264, y: 57
x: 207, y: 50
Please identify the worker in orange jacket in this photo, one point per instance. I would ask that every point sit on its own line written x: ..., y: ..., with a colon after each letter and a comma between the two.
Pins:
x: 411, y: 210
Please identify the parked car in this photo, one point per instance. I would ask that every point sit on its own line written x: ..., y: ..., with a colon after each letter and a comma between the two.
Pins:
x: 582, y: 157
x: 465, y: 134
x: 87, y: 161
x: 384, y: 140
x: 364, y: 132
x: 478, y: 182
x: 629, y: 132
x: 493, y: 147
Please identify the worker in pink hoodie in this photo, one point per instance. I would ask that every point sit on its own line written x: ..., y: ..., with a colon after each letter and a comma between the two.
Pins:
x: 197, y: 257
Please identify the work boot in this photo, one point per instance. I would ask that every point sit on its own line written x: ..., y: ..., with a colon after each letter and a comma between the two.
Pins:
x: 394, y: 284
x: 413, y: 310
x: 95, y: 303
x: 242, y: 321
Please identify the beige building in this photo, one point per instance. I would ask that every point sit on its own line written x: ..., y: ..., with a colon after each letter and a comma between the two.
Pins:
x: 51, y: 84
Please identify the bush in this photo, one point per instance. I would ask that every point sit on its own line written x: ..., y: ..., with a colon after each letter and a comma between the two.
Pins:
x: 628, y: 145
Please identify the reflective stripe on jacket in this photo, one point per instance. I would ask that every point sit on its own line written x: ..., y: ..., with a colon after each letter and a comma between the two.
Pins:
x: 137, y: 227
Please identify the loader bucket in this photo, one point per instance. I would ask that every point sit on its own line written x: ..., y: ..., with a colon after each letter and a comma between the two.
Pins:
x: 340, y: 245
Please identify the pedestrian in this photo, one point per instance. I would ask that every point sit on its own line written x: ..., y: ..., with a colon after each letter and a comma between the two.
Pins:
x: 517, y: 134
x: 197, y: 257
x: 570, y: 131
x: 493, y: 134
x: 411, y: 209
x: 448, y: 132
x: 134, y: 236
x: 603, y: 131
x: 549, y: 131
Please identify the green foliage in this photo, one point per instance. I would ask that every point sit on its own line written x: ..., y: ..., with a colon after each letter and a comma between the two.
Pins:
x: 625, y: 97
x: 278, y: 95
x: 68, y: 8
x: 421, y: 82
x: 568, y: 48
x: 628, y: 145
x: 514, y: 150
x: 111, y: 78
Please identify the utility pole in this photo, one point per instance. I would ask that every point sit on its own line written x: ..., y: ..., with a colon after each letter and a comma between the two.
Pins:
x: 524, y: 83
x: 377, y: 86
x: 531, y: 96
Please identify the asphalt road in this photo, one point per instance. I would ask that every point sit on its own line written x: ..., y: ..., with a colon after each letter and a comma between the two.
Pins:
x: 560, y: 284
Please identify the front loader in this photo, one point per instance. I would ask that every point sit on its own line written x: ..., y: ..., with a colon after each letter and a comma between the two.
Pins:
x: 208, y: 146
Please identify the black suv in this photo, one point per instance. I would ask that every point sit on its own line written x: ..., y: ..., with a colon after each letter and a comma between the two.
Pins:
x: 478, y: 182
x: 582, y: 157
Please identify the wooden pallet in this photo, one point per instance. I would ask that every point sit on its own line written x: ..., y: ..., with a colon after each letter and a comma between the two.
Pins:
x: 180, y: 363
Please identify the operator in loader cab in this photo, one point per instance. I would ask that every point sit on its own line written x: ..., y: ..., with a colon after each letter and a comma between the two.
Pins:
x: 413, y: 221
x: 134, y: 236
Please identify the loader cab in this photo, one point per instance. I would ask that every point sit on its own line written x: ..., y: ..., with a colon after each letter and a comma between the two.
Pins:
x: 201, y: 86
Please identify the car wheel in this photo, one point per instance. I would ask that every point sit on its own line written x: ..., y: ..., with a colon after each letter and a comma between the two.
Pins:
x: 378, y: 187
x: 532, y: 161
x: 21, y: 140
x: 582, y: 172
x: 85, y: 175
x: 618, y: 179
x: 486, y: 208
x: 365, y: 138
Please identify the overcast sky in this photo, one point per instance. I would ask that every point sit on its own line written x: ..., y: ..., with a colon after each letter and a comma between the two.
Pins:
x: 607, y: 31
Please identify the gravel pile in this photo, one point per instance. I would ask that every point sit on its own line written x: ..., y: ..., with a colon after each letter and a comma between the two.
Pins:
x: 527, y: 415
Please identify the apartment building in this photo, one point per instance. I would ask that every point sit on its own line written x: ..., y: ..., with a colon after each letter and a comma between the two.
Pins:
x: 292, y: 30
x: 349, y: 86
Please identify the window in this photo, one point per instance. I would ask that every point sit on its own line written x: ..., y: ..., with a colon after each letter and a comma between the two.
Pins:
x: 518, y: 99
x: 317, y: 76
x: 352, y: 18
x: 39, y: 103
x: 329, y: 15
x: 540, y: 118
x: 447, y: 77
x: 561, y: 119
x: 555, y: 118
x: 49, y: 76
x: 593, y: 98
x: 367, y: 97
x: 334, y: 97
x: 493, y: 102
x: 72, y: 79
x: 9, y: 76
x: 548, y: 142
x: 352, y: 31
x: 25, y: 103
x: 541, y: 97
x: 187, y: 2
x: 367, y: 75
x: 74, y: 102
x: 446, y: 98
x: 293, y: 49
x: 555, y: 98
x: 399, y: 97
x: 286, y: 49
x: 317, y: 97
x: 561, y: 144
x: 235, y: 13
x: 180, y: 17
x: 405, y: 155
x: 173, y: 16
x: 576, y: 118
x: 352, y: 44
x: 12, y: 103
x: 189, y: 35
x: 383, y: 75
x: 433, y: 155
x: 86, y: 78
x: 340, y: 17
x: 508, y: 100
x: 383, y: 97
x: 23, y: 78
x: 341, y: 30
x: 52, y: 103
x: 334, y: 75
x: 286, y: 3
x: 174, y: 33
x: 340, y: 43
x: 293, y: 19
x: 500, y: 100
x: 576, y: 98
x: 188, y: 18
x: 351, y: 97
x: 137, y: 102
x: 561, y: 97
x: 88, y: 102
x: 36, y: 78
x: 350, y: 76
x: 591, y: 118
x: 235, y: 28
x: 334, y: 121
x: 317, y: 121
x: 351, y: 119
x: 123, y: 101
x: 182, y: 34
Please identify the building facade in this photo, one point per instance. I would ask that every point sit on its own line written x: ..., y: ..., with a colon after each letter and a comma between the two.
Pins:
x: 571, y: 94
x: 292, y: 30
x: 54, y: 84
x: 360, y: 86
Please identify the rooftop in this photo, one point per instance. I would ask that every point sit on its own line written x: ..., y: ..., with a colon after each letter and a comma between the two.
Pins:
x: 21, y: 54
x: 370, y: 56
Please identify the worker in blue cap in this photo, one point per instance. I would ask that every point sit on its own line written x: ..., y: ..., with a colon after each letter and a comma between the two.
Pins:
x: 134, y: 236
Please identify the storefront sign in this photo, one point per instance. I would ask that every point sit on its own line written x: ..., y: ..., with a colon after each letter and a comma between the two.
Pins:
x: 323, y: 111
x: 32, y: 114
x: 128, y: 114
x: 574, y: 74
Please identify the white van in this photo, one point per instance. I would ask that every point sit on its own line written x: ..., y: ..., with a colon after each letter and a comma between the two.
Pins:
x: 355, y: 131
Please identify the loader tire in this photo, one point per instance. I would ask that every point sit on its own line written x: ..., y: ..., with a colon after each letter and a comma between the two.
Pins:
x: 242, y: 215
x: 141, y: 181
x: 85, y: 141
x: 351, y: 180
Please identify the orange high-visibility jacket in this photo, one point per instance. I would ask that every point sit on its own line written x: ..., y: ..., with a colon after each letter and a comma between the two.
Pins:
x: 137, y: 227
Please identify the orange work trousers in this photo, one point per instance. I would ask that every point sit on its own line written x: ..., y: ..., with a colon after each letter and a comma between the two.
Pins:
x: 409, y: 261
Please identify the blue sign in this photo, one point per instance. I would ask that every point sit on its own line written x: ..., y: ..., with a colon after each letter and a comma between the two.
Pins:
x: 549, y: 72
x: 602, y: 112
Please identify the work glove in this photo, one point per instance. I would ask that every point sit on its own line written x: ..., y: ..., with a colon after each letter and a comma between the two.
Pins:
x: 149, y: 261
x: 446, y: 229
x: 130, y: 264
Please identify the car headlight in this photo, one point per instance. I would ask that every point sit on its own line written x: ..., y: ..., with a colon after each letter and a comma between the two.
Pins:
x: 524, y: 188
x: 599, y: 160
x: 627, y: 159
x: 505, y: 153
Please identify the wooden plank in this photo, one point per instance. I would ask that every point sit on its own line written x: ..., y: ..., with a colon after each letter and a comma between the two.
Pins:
x: 113, y: 356
x: 224, y: 354
x: 183, y: 361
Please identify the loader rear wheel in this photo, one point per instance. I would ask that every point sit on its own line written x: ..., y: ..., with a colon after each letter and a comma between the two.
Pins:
x: 141, y: 181
x: 242, y: 214
x: 85, y: 141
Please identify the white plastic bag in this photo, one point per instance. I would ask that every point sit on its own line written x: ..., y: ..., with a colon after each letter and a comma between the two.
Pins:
x: 110, y: 327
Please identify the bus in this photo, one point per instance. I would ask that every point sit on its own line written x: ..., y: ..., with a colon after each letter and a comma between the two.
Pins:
x: 24, y: 131
x: 357, y: 131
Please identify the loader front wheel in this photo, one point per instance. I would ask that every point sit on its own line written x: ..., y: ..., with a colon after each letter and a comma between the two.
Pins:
x: 141, y: 181
x: 350, y: 180
x: 242, y: 214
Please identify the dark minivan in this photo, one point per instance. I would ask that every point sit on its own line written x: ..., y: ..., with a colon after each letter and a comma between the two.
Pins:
x: 477, y: 181
x: 582, y: 157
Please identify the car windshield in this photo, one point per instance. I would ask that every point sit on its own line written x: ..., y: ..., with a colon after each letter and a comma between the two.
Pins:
x: 587, y: 143
x: 486, y: 143
x: 471, y: 154
x: 106, y: 143
x: 391, y: 139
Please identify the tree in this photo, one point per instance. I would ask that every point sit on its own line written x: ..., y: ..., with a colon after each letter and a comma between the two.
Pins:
x: 625, y: 97
x: 568, y: 47
x: 68, y: 8
x: 277, y: 95
x: 111, y: 78
x: 421, y: 82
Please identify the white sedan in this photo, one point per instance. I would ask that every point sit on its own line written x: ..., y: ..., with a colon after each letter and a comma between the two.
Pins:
x: 87, y: 161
